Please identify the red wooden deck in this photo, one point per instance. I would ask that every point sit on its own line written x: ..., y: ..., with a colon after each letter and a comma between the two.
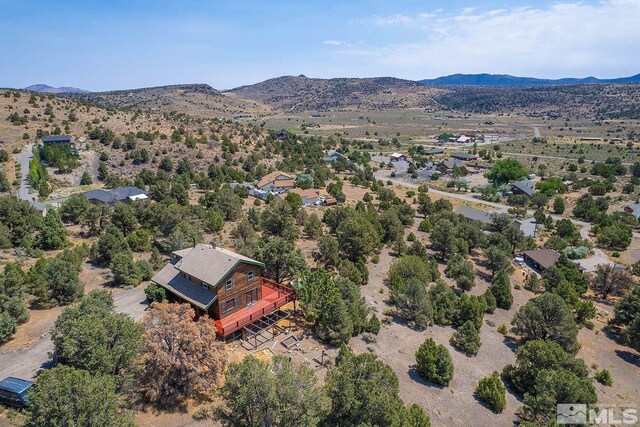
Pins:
x: 272, y: 299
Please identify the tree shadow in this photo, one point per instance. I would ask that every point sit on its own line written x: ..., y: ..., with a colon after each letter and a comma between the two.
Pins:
x: 413, y: 374
x: 510, y: 342
x: 629, y: 357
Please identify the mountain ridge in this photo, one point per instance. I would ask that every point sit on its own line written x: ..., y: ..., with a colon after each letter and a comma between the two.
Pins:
x: 43, y: 88
x: 485, y: 79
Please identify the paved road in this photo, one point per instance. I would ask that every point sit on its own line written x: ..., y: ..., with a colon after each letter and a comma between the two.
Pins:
x: 26, y: 362
x: 23, y: 158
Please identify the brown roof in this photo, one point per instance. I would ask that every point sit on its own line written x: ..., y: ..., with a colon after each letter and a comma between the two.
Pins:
x: 273, y: 176
x: 283, y: 183
x: 305, y: 194
x: 544, y: 257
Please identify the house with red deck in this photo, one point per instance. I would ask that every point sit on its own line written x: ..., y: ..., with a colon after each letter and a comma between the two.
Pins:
x: 224, y: 285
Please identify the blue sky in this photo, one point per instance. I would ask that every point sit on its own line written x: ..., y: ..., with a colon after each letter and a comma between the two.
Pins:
x: 105, y: 45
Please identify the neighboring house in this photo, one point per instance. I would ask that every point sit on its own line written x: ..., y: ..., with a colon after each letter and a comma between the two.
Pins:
x: 332, y: 155
x: 465, y: 157
x: 59, y: 141
x: 633, y: 210
x: 541, y: 259
x: 117, y: 195
x: 464, y: 139
x: 525, y: 187
x: 56, y: 140
x: 485, y: 217
x: 433, y: 151
x: 276, y: 182
x: 41, y: 207
x: 396, y: 157
x: 309, y: 197
x: 448, y: 165
x: 527, y: 226
x: 226, y: 286
x: 281, y: 134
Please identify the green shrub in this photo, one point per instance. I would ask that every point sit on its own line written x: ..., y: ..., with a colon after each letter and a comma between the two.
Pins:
x: 604, y: 377
x: 155, y: 293
x: 491, y: 391
x: 466, y: 339
x: 503, y: 329
x: 373, y: 325
x: 433, y: 363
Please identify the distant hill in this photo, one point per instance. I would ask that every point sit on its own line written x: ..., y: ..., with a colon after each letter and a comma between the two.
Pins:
x: 198, y: 100
x: 41, y: 88
x: 305, y: 94
x: 507, y: 80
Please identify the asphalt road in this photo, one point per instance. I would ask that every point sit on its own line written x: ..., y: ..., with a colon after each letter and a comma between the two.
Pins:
x: 24, y: 192
x: 27, y: 362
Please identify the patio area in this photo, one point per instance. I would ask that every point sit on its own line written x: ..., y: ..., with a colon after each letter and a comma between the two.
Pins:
x: 272, y: 300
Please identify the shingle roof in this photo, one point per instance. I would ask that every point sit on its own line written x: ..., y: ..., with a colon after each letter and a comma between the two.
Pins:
x: 305, y: 194
x: 271, y: 177
x: 210, y: 264
x: 545, y: 257
x: 525, y: 186
x: 171, y: 279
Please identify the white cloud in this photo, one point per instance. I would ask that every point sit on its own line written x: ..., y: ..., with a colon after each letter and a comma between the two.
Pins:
x: 564, y: 39
x: 332, y: 42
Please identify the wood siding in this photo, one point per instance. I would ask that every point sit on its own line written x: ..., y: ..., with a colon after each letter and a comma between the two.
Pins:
x: 241, y: 286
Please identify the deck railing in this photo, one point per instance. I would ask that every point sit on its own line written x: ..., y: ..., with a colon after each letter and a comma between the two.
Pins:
x: 280, y: 287
x: 287, y: 296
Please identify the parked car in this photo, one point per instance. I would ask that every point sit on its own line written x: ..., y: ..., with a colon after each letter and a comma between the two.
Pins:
x: 14, y: 391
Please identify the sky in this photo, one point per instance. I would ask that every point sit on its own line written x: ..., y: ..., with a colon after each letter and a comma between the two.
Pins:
x: 122, y: 44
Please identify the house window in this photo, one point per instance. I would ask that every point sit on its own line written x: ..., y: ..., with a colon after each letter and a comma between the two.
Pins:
x: 229, y: 285
x: 252, y: 296
x: 229, y: 304
x: 204, y: 285
x: 249, y: 275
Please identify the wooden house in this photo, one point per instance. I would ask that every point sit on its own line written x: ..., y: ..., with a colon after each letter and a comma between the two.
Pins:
x: 226, y: 286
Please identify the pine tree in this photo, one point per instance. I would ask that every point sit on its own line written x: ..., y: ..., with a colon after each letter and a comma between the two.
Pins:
x: 492, y: 392
x: 466, y: 339
x: 501, y: 289
x: 52, y: 234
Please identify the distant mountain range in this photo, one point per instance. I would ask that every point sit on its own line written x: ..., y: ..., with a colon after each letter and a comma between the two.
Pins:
x: 507, y: 80
x: 41, y: 88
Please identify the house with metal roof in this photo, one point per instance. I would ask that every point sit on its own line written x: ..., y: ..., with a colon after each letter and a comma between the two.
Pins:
x: 56, y: 140
x: 466, y: 157
x: 116, y: 195
x: 434, y: 151
x: 485, y: 217
x: 226, y: 286
x: 525, y: 187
